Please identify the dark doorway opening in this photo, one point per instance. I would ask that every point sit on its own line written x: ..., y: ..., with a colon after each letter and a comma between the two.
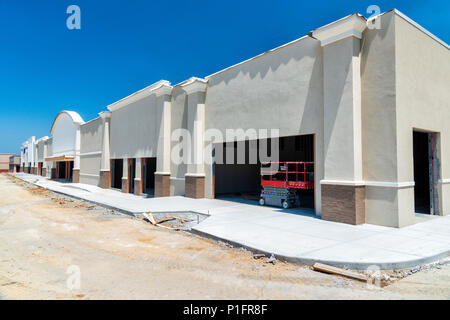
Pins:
x: 421, y: 172
x: 61, y: 172
x: 69, y: 171
x: 40, y: 165
x: 244, y: 180
x: 426, y: 172
x: 148, y: 175
x: 116, y: 173
x: 64, y: 170
x: 131, y: 174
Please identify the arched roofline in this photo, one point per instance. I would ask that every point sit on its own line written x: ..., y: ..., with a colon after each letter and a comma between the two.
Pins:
x: 76, y: 119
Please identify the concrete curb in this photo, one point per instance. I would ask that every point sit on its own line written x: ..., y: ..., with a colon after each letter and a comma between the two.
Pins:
x: 307, y: 261
x: 339, y: 264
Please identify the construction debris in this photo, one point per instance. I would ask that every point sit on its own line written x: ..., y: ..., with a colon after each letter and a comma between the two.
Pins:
x: 341, y: 272
x: 272, y: 259
x: 258, y: 255
x: 158, y: 223
x: 149, y: 217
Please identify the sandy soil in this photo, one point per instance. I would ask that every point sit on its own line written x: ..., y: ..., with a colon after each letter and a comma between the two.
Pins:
x: 44, y: 238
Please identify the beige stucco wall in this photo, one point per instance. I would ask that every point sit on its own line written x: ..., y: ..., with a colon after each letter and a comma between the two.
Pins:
x: 91, y: 134
x: 422, y: 98
x: 134, y: 129
x: 405, y: 80
x: 282, y: 89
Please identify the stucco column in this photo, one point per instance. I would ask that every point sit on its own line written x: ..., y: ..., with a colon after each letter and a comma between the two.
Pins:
x: 162, y: 174
x: 105, y: 169
x: 195, y: 177
x: 45, y: 155
x: 35, y: 156
x: 22, y: 159
x: 342, y: 187
x: 125, y: 188
x: 137, y: 177
x: 76, y: 159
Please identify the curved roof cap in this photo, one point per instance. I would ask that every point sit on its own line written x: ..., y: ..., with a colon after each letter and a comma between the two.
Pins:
x: 76, y: 118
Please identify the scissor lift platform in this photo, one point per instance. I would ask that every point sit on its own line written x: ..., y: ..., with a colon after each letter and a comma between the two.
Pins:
x: 281, y: 182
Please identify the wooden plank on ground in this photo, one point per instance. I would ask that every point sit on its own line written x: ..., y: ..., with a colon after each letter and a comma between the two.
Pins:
x: 338, y: 271
x: 149, y: 217
x: 168, y: 218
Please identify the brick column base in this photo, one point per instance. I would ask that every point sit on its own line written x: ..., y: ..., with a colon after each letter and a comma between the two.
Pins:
x: 76, y: 175
x: 162, y: 185
x: 44, y: 172
x: 105, y: 179
x: 137, y: 186
x: 125, y: 185
x: 194, y: 186
x: 343, y: 203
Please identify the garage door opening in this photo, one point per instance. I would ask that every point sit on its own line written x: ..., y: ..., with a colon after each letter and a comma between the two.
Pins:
x: 426, y: 172
x: 243, y: 181
x: 116, y: 173
x: 148, y: 175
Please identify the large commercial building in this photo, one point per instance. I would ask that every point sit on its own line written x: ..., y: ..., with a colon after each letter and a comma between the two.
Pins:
x: 366, y: 101
x: 4, y: 161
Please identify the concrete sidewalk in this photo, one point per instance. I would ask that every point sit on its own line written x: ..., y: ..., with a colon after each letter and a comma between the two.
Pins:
x: 292, y: 234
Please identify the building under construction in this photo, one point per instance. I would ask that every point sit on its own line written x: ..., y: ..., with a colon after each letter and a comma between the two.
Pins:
x: 365, y: 102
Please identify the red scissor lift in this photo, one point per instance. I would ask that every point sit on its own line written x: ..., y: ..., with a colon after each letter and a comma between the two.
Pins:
x: 281, y: 182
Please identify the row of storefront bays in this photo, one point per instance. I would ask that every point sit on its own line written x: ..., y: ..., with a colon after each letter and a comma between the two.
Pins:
x: 339, y: 99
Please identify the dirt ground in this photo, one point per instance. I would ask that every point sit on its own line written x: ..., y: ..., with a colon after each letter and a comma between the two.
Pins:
x: 45, y: 239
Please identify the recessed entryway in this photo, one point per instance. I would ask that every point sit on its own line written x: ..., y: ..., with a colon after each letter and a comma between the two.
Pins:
x: 131, y: 174
x: 426, y: 172
x: 116, y: 173
x: 148, y: 175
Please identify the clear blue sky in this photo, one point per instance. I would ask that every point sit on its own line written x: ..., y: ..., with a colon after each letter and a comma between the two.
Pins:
x: 124, y: 46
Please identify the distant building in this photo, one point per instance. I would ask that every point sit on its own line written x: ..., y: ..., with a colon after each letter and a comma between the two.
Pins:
x: 4, y: 161
x: 14, y: 163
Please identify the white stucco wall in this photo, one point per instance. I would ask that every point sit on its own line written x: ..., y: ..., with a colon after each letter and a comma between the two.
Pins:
x: 90, y: 152
x: 64, y: 133
x: 40, y: 150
